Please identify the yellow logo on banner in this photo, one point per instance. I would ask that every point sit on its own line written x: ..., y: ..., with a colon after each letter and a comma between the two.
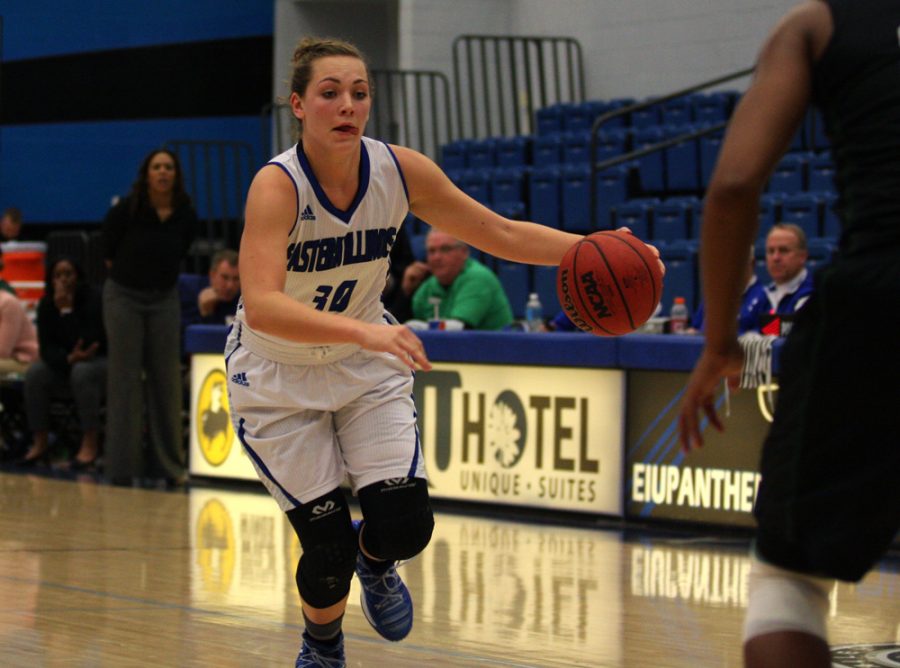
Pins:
x: 215, y: 433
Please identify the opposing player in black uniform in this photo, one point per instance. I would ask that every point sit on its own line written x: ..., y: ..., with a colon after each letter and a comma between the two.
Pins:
x: 829, y: 503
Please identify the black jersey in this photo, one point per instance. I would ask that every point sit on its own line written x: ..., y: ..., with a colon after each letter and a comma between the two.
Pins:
x: 856, y: 84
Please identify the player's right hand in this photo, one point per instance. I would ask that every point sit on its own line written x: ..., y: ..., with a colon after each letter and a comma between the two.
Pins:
x: 398, y: 340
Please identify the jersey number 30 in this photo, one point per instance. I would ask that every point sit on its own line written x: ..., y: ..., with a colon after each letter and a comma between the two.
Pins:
x: 337, y: 302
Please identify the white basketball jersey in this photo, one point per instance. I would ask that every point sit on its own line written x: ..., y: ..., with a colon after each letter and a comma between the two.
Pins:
x: 337, y: 260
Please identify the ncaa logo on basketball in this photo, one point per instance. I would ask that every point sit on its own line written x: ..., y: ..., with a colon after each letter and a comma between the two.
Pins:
x: 594, y: 296
x: 215, y: 433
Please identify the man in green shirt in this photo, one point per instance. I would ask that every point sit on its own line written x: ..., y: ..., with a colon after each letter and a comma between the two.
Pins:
x: 466, y: 290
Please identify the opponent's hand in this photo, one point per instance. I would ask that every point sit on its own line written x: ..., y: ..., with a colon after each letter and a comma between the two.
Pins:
x: 701, y: 389
x: 398, y: 340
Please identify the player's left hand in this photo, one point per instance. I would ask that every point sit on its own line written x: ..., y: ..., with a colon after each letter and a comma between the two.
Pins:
x: 701, y: 390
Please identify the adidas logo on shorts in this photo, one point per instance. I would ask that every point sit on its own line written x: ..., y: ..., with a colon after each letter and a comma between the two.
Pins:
x: 308, y: 214
x: 240, y: 379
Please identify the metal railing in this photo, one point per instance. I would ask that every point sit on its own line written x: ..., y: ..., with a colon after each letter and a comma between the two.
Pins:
x: 409, y: 107
x: 597, y: 167
x: 217, y: 174
x: 502, y: 80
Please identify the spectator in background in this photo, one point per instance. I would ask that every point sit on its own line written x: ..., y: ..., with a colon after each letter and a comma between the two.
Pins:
x: 406, y: 273
x: 792, y: 283
x: 464, y: 289
x: 11, y: 224
x: 146, y: 234
x: 217, y: 303
x: 18, y: 337
x: 72, y: 357
x: 753, y: 300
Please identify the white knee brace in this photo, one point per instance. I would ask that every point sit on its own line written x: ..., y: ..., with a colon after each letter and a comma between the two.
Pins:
x: 782, y: 600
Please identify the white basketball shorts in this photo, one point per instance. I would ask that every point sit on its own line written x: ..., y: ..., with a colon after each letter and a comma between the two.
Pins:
x: 307, y: 428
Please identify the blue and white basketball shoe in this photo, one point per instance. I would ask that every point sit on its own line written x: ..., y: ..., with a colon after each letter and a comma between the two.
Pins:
x: 385, y: 600
x: 314, y: 654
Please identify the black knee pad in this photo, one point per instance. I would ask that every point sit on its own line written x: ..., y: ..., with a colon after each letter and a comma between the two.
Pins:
x: 329, y: 547
x: 398, y: 518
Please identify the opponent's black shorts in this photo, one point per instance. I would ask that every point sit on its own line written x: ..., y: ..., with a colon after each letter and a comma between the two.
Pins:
x: 829, y: 500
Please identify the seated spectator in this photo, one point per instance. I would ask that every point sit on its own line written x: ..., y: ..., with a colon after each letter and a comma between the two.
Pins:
x: 792, y: 284
x: 72, y: 360
x: 405, y: 275
x: 18, y: 337
x: 218, y: 302
x: 462, y: 289
x: 752, y: 300
x: 215, y: 303
x: 11, y: 224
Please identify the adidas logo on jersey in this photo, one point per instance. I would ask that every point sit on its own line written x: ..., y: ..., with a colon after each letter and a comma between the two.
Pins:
x: 240, y: 379
x: 308, y: 214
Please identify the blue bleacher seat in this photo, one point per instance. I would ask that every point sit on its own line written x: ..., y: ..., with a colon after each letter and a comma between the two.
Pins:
x: 612, y: 189
x: 611, y: 143
x: 651, y: 167
x: 453, y: 154
x: 601, y: 107
x: 789, y: 175
x: 507, y: 185
x: 514, y: 278
x: 481, y: 154
x: 710, y: 145
x: 549, y: 120
x: 645, y: 118
x: 769, y: 213
x: 576, y: 198
x: 636, y: 215
x: 831, y: 224
x: 577, y: 117
x: 820, y: 169
x: 820, y: 251
x: 547, y: 150
x: 544, y: 283
x: 681, y: 275
x: 682, y: 161
x: 671, y: 220
x: 545, y: 195
x: 711, y: 108
x: 678, y: 111
x: 513, y: 210
x: 477, y: 184
x: 804, y: 210
x: 512, y: 151
x: 576, y: 147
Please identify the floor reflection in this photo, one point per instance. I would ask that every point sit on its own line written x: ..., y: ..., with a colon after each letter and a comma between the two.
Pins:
x: 94, y: 575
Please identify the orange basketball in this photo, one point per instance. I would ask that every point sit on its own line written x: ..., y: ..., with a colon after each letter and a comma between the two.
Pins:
x: 609, y: 283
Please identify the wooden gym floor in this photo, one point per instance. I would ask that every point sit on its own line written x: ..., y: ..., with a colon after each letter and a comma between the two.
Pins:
x: 92, y: 575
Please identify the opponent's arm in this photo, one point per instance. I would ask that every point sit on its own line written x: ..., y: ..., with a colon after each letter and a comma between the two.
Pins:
x: 758, y: 134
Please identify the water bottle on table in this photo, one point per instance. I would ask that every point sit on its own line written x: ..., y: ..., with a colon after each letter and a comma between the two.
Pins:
x: 678, y: 317
x: 534, y: 313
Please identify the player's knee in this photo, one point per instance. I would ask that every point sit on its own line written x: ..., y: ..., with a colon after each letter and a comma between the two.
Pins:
x: 399, y: 521
x: 783, y: 600
x: 325, y: 571
x: 329, y: 547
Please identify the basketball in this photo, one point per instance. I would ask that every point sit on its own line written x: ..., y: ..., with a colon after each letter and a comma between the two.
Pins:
x: 609, y: 283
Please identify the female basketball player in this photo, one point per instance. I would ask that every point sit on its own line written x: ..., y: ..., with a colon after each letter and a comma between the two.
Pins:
x: 321, y: 377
